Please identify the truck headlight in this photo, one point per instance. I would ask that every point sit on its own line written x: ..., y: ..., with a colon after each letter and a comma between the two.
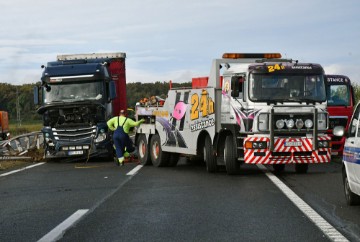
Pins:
x: 256, y: 145
x: 280, y: 124
x: 308, y: 123
x: 324, y: 144
x: 101, y: 137
x: 290, y: 123
x: 299, y: 123
x: 322, y: 121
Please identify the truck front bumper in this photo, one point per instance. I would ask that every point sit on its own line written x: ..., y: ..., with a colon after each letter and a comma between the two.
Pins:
x: 79, y: 150
x: 286, y: 151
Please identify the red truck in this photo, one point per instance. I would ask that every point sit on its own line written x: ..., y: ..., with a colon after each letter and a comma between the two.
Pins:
x: 341, y: 101
x: 78, y: 94
x: 4, y: 125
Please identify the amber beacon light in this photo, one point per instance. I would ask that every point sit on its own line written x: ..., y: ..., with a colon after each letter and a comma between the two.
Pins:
x: 251, y: 55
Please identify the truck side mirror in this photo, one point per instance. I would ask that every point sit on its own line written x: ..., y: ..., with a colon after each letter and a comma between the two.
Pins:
x: 339, y: 131
x: 36, y: 95
x: 112, y: 90
x: 235, y: 86
x: 352, y: 127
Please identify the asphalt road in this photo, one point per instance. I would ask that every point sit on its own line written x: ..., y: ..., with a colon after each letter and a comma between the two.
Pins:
x: 183, y: 203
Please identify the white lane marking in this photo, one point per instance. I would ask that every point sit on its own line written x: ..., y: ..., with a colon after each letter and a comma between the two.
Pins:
x: 134, y: 171
x: 321, y: 223
x: 22, y: 169
x: 59, y: 230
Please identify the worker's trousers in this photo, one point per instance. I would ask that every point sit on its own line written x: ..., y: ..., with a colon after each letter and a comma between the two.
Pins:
x: 122, y: 142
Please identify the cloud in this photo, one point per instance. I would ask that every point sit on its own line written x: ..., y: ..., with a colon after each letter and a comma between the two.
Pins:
x: 178, y: 76
x: 39, y: 42
x: 348, y: 70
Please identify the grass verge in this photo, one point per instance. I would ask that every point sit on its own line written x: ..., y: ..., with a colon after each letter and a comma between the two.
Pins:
x: 25, y: 128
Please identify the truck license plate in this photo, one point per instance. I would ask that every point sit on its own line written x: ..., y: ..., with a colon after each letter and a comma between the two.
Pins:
x: 76, y: 152
x: 293, y: 143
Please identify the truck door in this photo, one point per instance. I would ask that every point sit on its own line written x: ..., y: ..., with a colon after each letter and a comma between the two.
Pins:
x: 352, y: 152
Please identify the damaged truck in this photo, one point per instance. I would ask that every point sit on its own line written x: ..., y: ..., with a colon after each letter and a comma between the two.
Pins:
x: 77, y: 95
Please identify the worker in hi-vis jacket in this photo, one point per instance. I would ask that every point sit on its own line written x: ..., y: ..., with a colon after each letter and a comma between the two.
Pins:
x: 121, y: 126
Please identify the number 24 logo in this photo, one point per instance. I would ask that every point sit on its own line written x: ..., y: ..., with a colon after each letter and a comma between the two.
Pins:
x: 202, y: 104
x: 275, y: 67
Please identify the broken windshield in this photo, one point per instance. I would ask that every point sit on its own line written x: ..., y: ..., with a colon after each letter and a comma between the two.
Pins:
x: 292, y: 88
x: 73, y: 91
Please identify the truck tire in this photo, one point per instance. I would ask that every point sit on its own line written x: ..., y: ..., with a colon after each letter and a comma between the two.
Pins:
x: 351, y: 198
x: 209, y: 157
x: 301, y: 168
x: 279, y: 167
x: 143, y: 150
x: 158, y: 157
x: 230, y: 157
x: 173, y: 160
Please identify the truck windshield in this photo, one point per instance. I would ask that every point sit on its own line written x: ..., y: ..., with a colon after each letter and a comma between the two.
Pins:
x: 74, y: 91
x: 338, y: 95
x: 292, y: 88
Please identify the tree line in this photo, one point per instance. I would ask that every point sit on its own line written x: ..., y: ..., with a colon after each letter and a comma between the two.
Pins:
x: 18, y: 101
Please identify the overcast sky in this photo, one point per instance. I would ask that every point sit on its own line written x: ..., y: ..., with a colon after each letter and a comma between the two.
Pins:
x: 177, y: 39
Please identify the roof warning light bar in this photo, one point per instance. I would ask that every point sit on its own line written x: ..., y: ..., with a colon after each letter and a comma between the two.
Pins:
x: 251, y: 55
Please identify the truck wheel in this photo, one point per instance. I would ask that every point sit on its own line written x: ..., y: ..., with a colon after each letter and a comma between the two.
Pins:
x: 301, y: 168
x: 143, y: 150
x: 174, y: 158
x: 351, y: 198
x: 230, y: 157
x: 279, y: 167
x: 209, y: 158
x: 158, y: 157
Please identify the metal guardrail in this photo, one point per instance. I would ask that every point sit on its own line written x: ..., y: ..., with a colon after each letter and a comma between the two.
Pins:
x: 15, y: 148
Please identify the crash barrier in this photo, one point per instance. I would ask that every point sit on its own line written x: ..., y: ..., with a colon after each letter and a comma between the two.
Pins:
x: 17, y: 147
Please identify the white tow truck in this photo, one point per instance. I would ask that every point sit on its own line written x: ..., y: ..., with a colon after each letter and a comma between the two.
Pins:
x: 253, y: 108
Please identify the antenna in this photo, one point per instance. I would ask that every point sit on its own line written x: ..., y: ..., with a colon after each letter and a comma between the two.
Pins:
x: 18, y: 119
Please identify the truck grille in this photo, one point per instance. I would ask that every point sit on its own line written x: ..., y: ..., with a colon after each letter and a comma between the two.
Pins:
x: 74, y: 134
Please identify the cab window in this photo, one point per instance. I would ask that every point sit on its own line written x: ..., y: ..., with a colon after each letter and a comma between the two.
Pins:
x: 338, y: 95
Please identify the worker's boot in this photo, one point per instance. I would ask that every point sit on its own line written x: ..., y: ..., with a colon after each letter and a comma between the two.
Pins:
x: 126, y: 157
x: 121, y: 161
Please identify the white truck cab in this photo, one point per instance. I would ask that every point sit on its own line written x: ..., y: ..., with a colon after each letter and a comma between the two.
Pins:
x: 351, y: 160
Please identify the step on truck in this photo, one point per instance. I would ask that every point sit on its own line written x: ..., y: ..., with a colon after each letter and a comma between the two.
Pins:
x: 340, y: 105
x: 78, y: 94
x: 253, y: 108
